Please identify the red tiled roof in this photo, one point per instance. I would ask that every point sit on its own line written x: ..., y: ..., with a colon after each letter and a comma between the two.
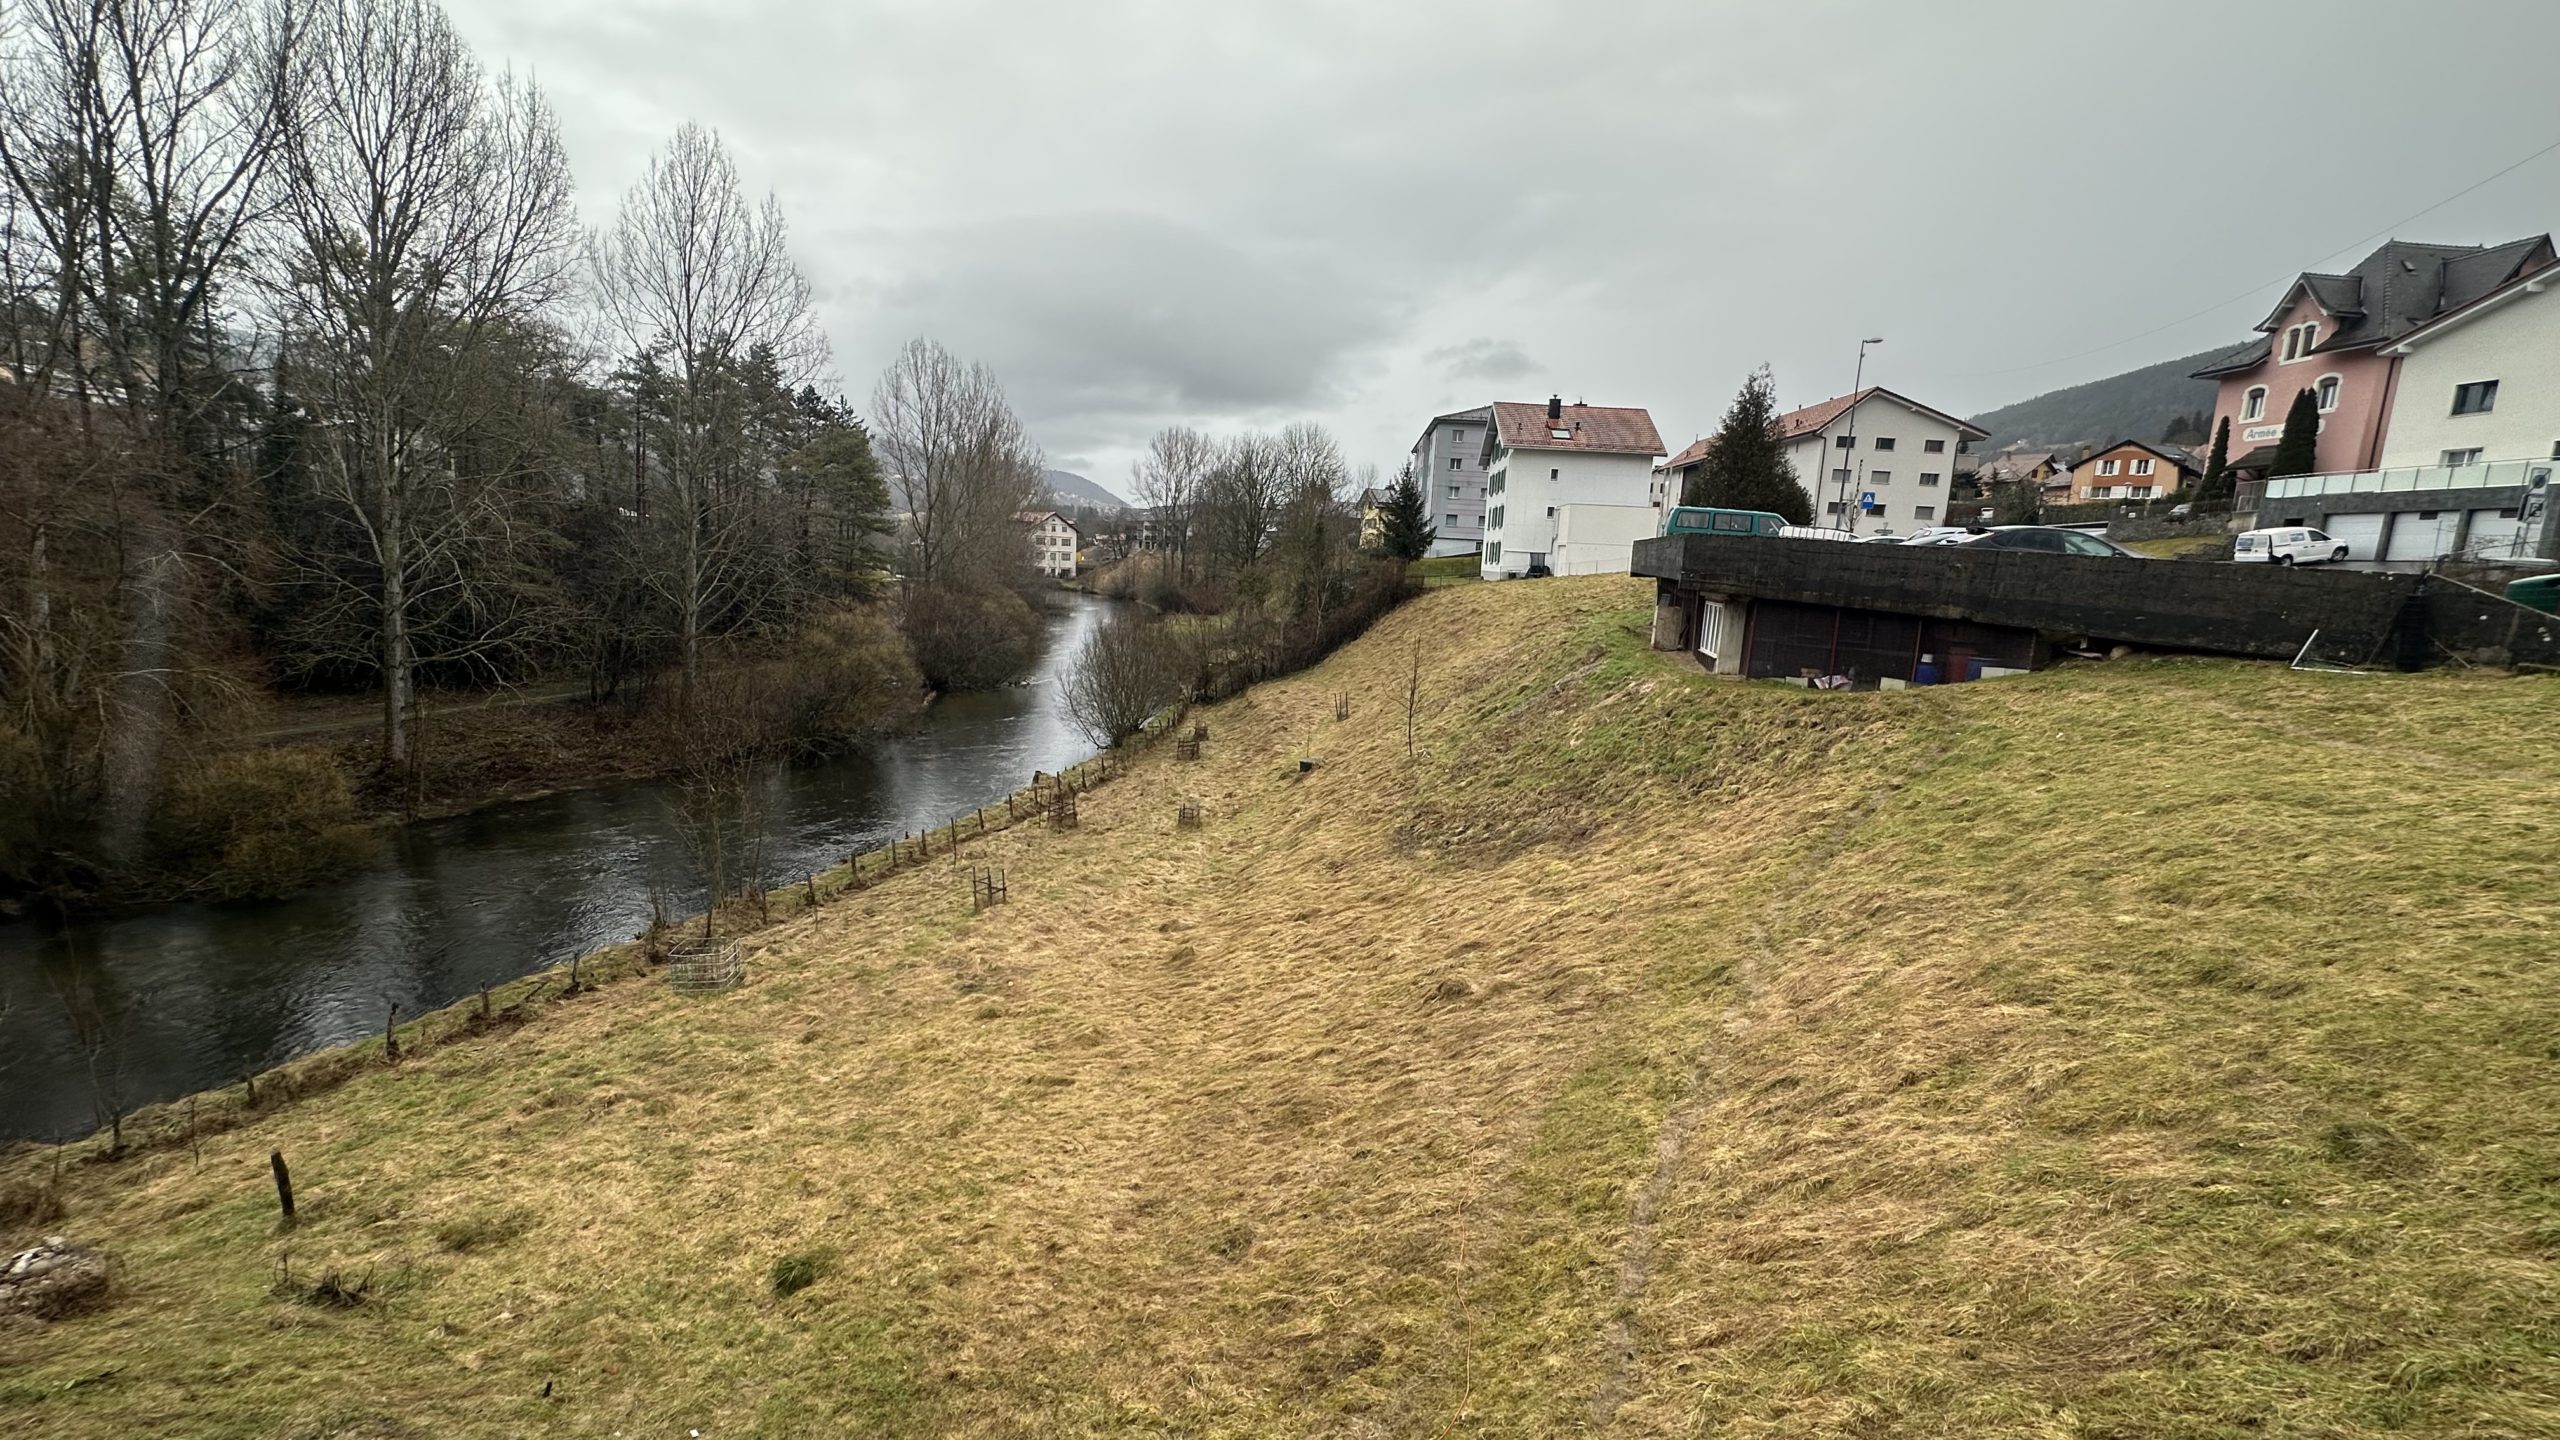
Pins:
x: 1696, y: 452
x: 1814, y: 417
x: 1605, y: 429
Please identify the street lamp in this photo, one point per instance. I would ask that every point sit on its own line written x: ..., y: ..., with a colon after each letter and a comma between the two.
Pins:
x: 1855, y: 384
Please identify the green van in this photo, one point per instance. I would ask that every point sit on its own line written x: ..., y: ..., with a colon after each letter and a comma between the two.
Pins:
x: 1707, y: 520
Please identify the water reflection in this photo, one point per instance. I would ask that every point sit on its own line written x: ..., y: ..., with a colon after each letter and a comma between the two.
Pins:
x: 194, y: 996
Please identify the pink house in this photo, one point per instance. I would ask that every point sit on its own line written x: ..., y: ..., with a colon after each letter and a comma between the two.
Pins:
x: 2326, y: 334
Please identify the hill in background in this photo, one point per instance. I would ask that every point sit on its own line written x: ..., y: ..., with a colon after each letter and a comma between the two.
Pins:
x: 1068, y: 491
x: 2136, y: 405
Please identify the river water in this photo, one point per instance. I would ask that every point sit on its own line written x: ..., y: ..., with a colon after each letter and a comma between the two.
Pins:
x: 194, y: 996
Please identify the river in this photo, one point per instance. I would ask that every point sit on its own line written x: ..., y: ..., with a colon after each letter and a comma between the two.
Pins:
x: 194, y: 996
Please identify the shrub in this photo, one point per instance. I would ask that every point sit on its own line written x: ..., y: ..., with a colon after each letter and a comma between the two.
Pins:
x: 847, y: 675
x: 794, y: 1273
x: 1131, y: 668
x: 971, y: 638
x: 262, y: 823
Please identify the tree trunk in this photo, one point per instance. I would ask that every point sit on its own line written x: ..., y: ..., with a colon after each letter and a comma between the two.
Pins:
x: 395, y: 633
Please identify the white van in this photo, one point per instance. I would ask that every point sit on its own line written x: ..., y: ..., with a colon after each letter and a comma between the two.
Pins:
x: 2292, y: 545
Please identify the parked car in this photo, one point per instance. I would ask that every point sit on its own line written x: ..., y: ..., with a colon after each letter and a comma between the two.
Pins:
x: 2289, y: 545
x: 2050, y: 540
x: 1943, y: 534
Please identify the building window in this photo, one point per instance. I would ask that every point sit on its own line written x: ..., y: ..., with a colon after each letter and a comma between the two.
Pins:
x: 1840, y: 476
x: 1448, y: 519
x: 1846, y: 441
x: 2101, y: 492
x: 1879, y: 477
x: 1884, y: 442
x: 2328, y: 393
x: 2299, y: 340
x: 2477, y: 398
x: 2142, y: 467
x: 1551, y: 512
x: 1928, y: 477
x: 1554, y: 473
x: 1456, y: 464
x: 1457, y: 437
x: 2254, y: 405
x: 1924, y: 512
x: 2138, y: 492
x: 1934, y: 447
x: 2455, y: 459
x: 2108, y: 467
x: 1830, y: 507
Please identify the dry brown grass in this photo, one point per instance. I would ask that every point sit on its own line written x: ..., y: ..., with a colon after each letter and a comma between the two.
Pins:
x: 2154, y: 1049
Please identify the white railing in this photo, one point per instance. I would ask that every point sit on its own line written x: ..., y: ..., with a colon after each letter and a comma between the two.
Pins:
x: 2418, y: 477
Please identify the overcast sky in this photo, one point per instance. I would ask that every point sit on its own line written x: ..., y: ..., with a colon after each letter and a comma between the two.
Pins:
x: 1241, y: 213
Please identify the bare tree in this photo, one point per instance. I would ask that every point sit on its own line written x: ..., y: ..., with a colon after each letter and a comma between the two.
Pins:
x: 963, y: 463
x: 136, y: 133
x: 1169, y: 478
x: 1239, y: 502
x: 1128, y: 670
x: 133, y: 138
x: 701, y: 282
x: 431, y: 223
x: 721, y: 746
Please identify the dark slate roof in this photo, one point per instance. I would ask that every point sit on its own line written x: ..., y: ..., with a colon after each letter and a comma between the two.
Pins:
x: 2406, y: 283
x: 2231, y: 362
x: 2257, y: 459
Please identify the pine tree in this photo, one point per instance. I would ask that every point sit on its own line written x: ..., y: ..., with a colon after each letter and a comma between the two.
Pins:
x: 2215, y: 488
x: 2296, y: 449
x: 1746, y: 467
x: 1406, y: 529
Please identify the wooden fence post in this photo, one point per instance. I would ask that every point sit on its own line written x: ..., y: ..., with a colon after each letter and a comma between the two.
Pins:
x: 284, y: 1183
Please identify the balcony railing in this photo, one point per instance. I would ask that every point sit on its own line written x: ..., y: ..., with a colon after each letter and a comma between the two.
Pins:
x: 2418, y: 477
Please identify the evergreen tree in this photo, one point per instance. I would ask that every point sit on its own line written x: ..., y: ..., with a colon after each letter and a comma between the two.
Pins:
x: 2295, y: 449
x: 1406, y: 519
x: 1746, y: 468
x: 2215, y: 488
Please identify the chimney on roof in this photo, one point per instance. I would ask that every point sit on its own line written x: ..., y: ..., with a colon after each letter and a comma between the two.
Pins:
x: 1555, y: 408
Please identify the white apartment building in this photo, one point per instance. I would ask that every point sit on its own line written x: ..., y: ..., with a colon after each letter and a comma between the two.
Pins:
x: 1538, y: 459
x: 1448, y: 461
x: 2481, y: 384
x: 1054, y: 542
x: 1876, y: 462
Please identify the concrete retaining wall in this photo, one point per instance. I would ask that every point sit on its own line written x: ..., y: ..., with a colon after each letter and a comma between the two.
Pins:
x: 2267, y: 611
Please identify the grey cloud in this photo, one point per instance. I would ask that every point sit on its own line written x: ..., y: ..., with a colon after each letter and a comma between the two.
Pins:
x: 1481, y: 359
x: 1279, y: 211
x: 1088, y: 317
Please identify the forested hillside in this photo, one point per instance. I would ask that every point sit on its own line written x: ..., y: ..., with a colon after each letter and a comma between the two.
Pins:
x: 2144, y: 404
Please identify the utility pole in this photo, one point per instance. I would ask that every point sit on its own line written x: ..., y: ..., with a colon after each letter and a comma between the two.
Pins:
x: 1855, y: 385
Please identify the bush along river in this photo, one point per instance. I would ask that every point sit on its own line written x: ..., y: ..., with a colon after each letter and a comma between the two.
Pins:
x: 150, y: 1005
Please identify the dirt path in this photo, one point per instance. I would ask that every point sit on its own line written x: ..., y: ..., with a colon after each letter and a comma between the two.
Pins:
x: 1635, y: 1258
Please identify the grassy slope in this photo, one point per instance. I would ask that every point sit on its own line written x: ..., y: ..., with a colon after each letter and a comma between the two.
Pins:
x: 2155, y: 1049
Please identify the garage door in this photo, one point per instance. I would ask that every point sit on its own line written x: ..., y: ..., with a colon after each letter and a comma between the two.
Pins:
x: 2495, y: 535
x: 2359, y: 533
x: 2422, y: 534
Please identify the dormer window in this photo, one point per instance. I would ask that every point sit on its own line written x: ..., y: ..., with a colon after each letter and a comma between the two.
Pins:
x: 2299, y: 340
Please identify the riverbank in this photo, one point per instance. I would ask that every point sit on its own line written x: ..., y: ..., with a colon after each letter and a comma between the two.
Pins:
x: 1607, y: 1046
